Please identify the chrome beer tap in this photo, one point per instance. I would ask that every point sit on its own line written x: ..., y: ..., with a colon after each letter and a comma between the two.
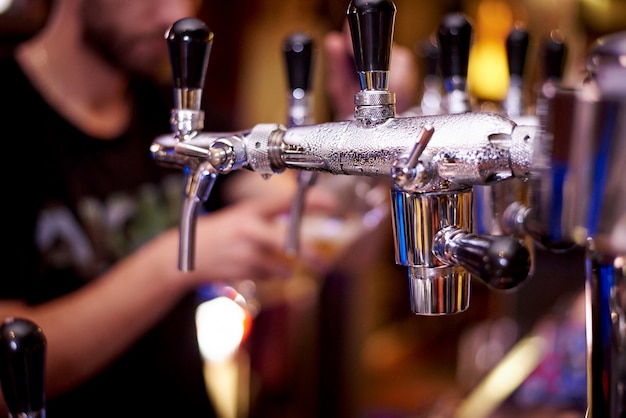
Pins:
x: 432, y: 95
x: 455, y: 37
x: 516, y: 51
x: 298, y: 53
x: 22, y: 364
x: 584, y: 145
x: 505, y: 196
x: 440, y: 237
x: 432, y: 161
x: 189, y: 41
x: 532, y: 213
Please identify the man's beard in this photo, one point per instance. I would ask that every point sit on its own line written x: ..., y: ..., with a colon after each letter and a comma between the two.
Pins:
x: 109, y: 47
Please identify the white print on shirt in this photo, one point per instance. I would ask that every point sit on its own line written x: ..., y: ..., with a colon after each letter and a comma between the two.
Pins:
x: 102, y: 231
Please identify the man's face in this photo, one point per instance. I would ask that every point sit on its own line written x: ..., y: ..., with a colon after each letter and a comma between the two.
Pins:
x: 130, y: 34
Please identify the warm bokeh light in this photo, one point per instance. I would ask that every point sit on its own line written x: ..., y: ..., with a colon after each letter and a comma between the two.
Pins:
x: 5, y: 5
x: 222, y: 324
x: 503, y: 379
x: 488, y: 77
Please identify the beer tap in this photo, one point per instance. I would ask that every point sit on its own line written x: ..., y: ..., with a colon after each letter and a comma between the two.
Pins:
x: 553, y: 53
x: 455, y: 37
x: 442, y: 221
x: 511, y: 194
x: 298, y: 52
x: 433, y: 163
x: 534, y: 214
x: 588, y: 123
x: 22, y: 362
x: 189, y: 41
x: 432, y: 96
x: 516, y: 51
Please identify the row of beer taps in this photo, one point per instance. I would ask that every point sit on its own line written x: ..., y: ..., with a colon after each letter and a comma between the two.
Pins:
x: 469, y: 190
x: 432, y: 166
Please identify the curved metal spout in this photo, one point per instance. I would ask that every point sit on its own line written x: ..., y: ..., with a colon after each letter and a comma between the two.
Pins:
x: 198, y: 186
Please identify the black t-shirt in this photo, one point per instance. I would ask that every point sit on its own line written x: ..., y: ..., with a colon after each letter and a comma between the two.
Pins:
x: 73, y: 206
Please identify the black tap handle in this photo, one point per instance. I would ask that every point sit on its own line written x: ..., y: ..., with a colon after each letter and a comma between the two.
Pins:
x: 22, y: 361
x: 189, y: 41
x: 501, y: 261
x: 553, y: 53
x: 429, y: 53
x: 454, y: 35
x: 298, y: 51
x: 371, y: 25
x: 516, y: 50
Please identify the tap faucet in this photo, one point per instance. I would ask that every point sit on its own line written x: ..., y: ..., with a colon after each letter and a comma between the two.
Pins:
x: 572, y: 160
x: 536, y: 214
x: 189, y: 41
x: 516, y: 51
x: 298, y: 53
x: 455, y: 37
x: 496, y: 202
x: 432, y: 162
x: 584, y: 143
x: 432, y: 96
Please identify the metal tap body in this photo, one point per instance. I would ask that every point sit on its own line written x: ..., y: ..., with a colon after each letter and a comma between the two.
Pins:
x: 577, y: 196
x: 589, y: 149
x: 431, y: 189
x: 572, y: 162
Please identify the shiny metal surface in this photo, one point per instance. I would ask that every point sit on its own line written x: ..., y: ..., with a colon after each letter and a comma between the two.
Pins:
x: 462, y: 150
x: 606, y: 324
x: 578, y: 193
x: 435, y: 288
x: 465, y: 148
x: 565, y: 172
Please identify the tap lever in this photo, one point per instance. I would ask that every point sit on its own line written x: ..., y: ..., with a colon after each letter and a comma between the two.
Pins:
x: 431, y: 97
x: 554, y: 52
x: 408, y: 170
x: 371, y: 26
x: 422, y: 141
x: 298, y: 53
x: 516, y: 50
x: 189, y: 41
x: 455, y: 35
x: 500, y: 261
x: 22, y: 354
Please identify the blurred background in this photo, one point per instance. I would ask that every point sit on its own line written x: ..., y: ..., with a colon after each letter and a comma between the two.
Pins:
x: 347, y: 345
